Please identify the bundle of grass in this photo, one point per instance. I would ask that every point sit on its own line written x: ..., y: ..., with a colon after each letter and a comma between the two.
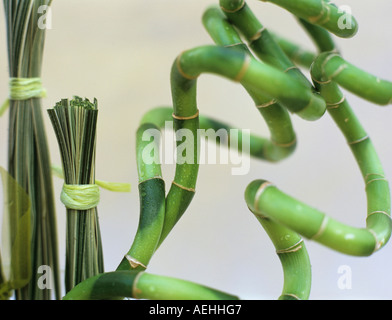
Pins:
x: 75, y: 123
x: 29, y: 161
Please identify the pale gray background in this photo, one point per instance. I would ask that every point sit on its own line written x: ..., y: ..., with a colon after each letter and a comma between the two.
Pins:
x: 121, y: 52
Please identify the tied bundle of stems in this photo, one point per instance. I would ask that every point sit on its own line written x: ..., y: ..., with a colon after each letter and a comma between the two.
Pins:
x: 75, y: 123
x: 28, y: 154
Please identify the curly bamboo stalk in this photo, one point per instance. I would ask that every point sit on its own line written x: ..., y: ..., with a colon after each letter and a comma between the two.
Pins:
x: 156, y: 221
x: 259, y: 39
x: 289, y: 245
x: 234, y: 65
x: 360, y: 82
x: 283, y: 138
x: 152, y: 204
x: 265, y: 199
x: 140, y: 285
x: 294, y: 95
x: 152, y: 185
x: 322, y: 13
x: 322, y: 39
x: 298, y: 55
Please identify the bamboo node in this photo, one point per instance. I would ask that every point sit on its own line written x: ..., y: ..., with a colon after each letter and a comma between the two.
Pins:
x: 322, y: 228
x: 186, y: 118
x: 135, y: 290
x: 335, y: 105
x: 234, y: 10
x: 379, y: 211
x: 258, y: 194
x: 291, y: 249
x: 243, y: 69
x: 327, y: 17
x: 338, y: 70
x: 181, y: 71
x: 152, y: 178
x: 315, y: 19
x: 373, y: 174
x: 292, y: 295
x: 134, y: 263
x: 267, y: 104
x: 257, y: 35
x: 184, y: 188
x: 358, y: 140
x: 378, y: 244
x: 377, y: 179
x: 284, y: 145
x: 290, y: 68
x: 321, y: 82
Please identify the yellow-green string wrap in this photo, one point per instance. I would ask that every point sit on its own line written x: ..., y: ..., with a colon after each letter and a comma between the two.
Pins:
x: 80, y: 197
x: 111, y: 186
x: 23, y: 89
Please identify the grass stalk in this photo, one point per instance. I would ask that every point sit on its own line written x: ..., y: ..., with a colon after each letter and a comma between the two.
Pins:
x: 28, y: 154
x: 75, y: 123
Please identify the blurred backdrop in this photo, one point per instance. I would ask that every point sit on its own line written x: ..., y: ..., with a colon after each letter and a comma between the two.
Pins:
x: 121, y: 52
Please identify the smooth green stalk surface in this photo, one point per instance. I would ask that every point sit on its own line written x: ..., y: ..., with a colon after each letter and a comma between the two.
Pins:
x: 152, y: 199
x: 261, y: 41
x: 322, y: 13
x: 140, y: 285
x: 267, y: 201
x: 301, y: 57
x: 241, y: 67
x: 290, y: 248
x: 283, y: 138
x: 321, y: 38
x: 370, y: 87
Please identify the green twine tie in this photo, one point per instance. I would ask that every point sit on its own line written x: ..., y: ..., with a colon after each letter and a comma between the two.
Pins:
x: 23, y: 89
x: 80, y: 197
x: 86, y: 196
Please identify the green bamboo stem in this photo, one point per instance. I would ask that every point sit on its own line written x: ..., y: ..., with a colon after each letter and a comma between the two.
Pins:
x: 186, y: 116
x: 320, y: 36
x: 293, y: 256
x: 237, y: 66
x: 294, y: 95
x: 299, y: 56
x: 152, y: 186
x: 140, y: 285
x: 152, y: 204
x: 283, y: 139
x: 259, y: 39
x: 29, y: 159
x: 314, y: 224
x: 322, y: 13
x: 335, y: 68
x: 289, y: 246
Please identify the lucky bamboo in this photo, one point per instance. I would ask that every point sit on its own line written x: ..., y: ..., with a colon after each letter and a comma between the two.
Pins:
x: 321, y: 13
x: 268, y: 68
x: 141, y: 285
x: 289, y: 245
x: 266, y: 200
